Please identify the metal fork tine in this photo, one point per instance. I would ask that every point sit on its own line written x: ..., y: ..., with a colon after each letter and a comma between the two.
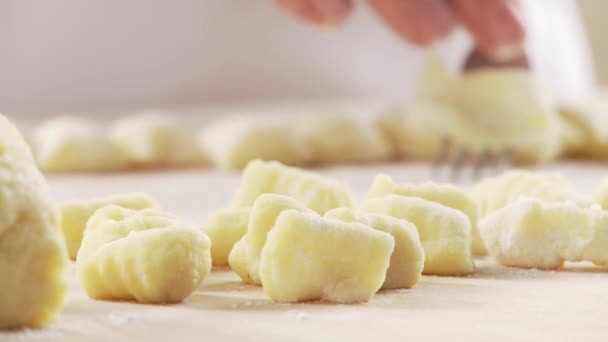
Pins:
x: 459, y: 162
x: 484, y: 159
x: 505, y: 160
x: 443, y: 156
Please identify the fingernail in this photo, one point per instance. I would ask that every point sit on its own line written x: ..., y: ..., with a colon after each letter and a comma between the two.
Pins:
x: 333, y: 11
x: 506, y: 53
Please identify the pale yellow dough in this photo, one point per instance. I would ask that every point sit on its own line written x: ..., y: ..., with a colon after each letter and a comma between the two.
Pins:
x: 585, y: 128
x: 601, y: 194
x: 484, y: 109
x: 156, y: 139
x: 66, y: 143
x: 534, y: 233
x: 146, y: 255
x: 311, y: 190
x: 73, y: 215
x: 32, y: 254
x: 245, y: 256
x: 407, y: 259
x: 307, y: 257
x: 445, y: 194
x: 225, y: 228
x: 495, y: 193
x: 235, y: 140
x: 445, y: 233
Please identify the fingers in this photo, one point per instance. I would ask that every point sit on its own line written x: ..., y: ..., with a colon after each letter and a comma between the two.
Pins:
x: 320, y: 12
x: 494, y: 24
x: 418, y: 21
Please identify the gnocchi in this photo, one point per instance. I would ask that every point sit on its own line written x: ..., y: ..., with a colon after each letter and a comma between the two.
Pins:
x: 309, y: 189
x: 533, y: 233
x: 67, y: 143
x: 445, y: 233
x: 307, y: 257
x: 244, y: 259
x: 225, y: 228
x: 145, y: 255
x: 407, y: 259
x: 444, y: 194
x: 32, y: 254
x: 601, y: 195
x: 73, y: 215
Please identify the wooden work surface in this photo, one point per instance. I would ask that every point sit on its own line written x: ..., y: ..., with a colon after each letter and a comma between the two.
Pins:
x: 494, y: 304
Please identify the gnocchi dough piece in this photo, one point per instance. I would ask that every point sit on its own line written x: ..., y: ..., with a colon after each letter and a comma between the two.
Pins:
x: 533, y: 233
x: 244, y: 258
x: 407, y: 259
x: 152, y: 139
x: 359, y: 139
x: 225, y: 228
x: 32, y: 255
x: 307, y: 258
x: 234, y: 141
x: 495, y: 193
x: 585, y: 128
x: 146, y: 255
x: 480, y: 110
x: 73, y: 215
x: 65, y: 144
x: 312, y: 190
x: 445, y: 233
x: 444, y: 194
x: 601, y: 195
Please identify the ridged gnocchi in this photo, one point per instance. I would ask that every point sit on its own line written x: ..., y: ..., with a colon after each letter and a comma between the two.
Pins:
x: 225, y: 228
x: 73, y: 215
x: 67, y: 144
x: 144, y: 255
x: 407, y: 259
x: 495, y: 193
x: 33, y: 260
x: 444, y: 194
x: 307, y: 257
x: 310, y: 189
x: 533, y: 233
x: 244, y: 258
x: 445, y: 233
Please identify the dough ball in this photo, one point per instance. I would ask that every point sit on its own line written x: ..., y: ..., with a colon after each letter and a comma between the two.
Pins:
x: 234, y: 141
x: 495, y: 193
x: 73, y: 215
x: 585, y: 128
x: 146, y: 255
x: 533, y: 233
x: 65, y: 144
x: 311, y: 190
x: 32, y: 254
x: 307, y: 257
x: 245, y: 256
x: 407, y: 259
x: 225, y: 228
x: 154, y: 139
x: 445, y: 233
x: 445, y: 194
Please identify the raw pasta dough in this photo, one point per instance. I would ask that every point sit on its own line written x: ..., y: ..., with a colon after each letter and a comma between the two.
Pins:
x: 73, y: 215
x: 145, y: 255
x: 585, y: 128
x: 533, y: 233
x: 245, y: 256
x: 445, y: 194
x: 310, y: 189
x: 32, y: 254
x: 407, y: 259
x: 152, y: 139
x: 225, y: 228
x: 445, y: 233
x: 307, y: 257
x: 66, y: 143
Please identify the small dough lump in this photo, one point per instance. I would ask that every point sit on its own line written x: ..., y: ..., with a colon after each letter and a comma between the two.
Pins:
x: 307, y: 257
x: 245, y: 256
x: 445, y: 233
x: 311, y: 190
x: 146, y: 255
x: 32, y: 254
x: 225, y: 228
x: 73, y: 215
x: 407, y: 259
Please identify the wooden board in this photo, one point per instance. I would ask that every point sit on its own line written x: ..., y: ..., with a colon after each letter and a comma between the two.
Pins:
x: 494, y: 304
